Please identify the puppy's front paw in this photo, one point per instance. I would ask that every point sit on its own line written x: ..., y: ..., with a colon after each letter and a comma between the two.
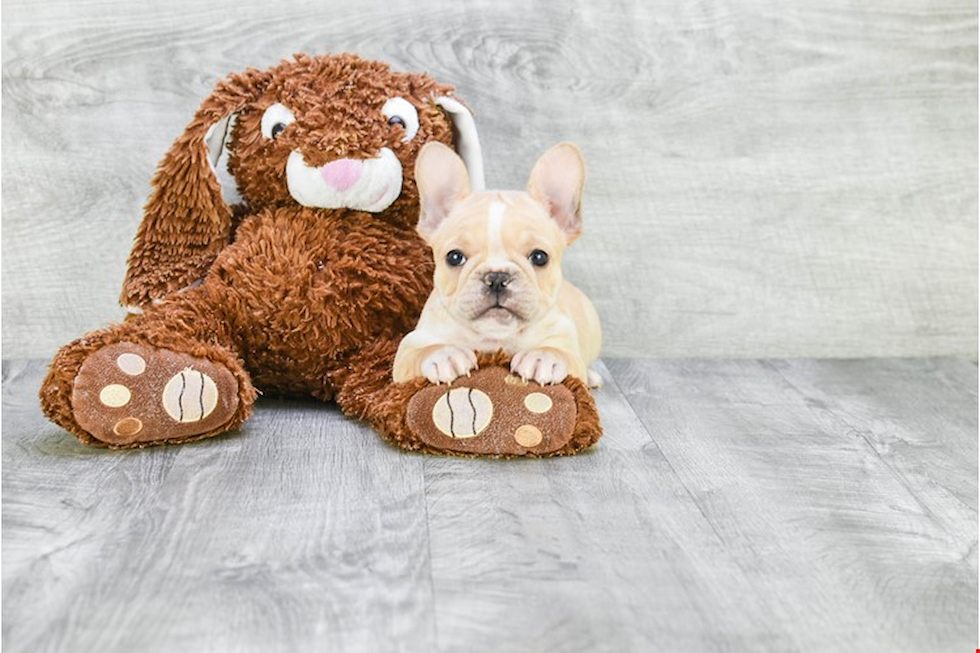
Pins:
x: 539, y: 365
x: 446, y: 364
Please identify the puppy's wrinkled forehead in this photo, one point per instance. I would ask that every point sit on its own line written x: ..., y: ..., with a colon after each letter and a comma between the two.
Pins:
x: 499, y: 221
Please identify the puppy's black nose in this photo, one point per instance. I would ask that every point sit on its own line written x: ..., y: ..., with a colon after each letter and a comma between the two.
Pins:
x: 496, y: 281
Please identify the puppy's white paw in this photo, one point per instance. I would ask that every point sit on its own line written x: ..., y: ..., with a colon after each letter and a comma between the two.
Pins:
x: 538, y: 365
x: 595, y: 379
x: 448, y: 363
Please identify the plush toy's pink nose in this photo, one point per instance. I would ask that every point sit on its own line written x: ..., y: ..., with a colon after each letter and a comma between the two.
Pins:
x: 342, y: 173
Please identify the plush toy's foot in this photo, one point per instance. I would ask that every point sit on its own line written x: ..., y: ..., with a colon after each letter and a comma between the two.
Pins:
x: 128, y: 394
x: 493, y: 412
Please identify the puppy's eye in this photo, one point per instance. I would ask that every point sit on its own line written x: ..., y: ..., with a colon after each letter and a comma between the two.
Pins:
x: 538, y: 258
x: 455, y: 258
x: 400, y: 111
x: 275, y: 119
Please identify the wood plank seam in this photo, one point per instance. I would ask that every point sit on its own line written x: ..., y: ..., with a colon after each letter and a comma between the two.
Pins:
x: 852, y: 430
x: 670, y: 464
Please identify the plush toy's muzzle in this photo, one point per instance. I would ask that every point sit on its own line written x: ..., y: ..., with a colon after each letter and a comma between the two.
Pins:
x: 362, y: 184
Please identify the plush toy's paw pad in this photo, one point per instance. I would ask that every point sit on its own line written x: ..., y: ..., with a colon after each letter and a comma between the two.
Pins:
x: 493, y: 412
x: 127, y: 393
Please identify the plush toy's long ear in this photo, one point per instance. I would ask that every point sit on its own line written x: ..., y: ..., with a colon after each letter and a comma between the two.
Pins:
x: 466, y: 139
x: 187, y: 221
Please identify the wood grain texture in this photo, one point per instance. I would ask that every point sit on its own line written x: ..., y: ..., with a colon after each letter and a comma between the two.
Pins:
x: 731, y: 506
x: 832, y: 481
x: 765, y: 179
x: 251, y: 542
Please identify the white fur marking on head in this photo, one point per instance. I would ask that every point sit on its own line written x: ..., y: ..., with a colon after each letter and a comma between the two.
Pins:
x: 495, y: 226
x: 379, y: 185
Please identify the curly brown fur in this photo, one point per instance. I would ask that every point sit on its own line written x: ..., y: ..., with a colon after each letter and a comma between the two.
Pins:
x: 337, y: 101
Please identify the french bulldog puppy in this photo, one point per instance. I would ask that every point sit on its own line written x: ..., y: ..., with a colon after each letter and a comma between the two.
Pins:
x: 498, y: 280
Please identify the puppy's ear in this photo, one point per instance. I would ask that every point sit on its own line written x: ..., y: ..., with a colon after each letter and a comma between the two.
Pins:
x: 557, y: 181
x: 442, y: 181
x: 186, y: 221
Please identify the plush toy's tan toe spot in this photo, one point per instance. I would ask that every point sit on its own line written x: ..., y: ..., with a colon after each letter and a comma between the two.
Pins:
x: 115, y: 395
x: 528, y: 436
x: 131, y: 364
x: 513, y: 379
x: 131, y: 394
x: 190, y: 396
x: 537, y: 402
x: 128, y: 427
x: 462, y: 412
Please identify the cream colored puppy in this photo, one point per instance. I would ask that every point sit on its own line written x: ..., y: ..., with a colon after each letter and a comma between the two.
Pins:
x: 498, y: 280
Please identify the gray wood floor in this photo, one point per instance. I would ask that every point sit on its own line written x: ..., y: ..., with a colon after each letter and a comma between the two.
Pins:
x: 732, y: 506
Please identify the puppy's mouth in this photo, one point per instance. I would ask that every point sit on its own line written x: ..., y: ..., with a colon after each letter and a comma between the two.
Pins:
x: 370, y: 185
x: 498, y: 312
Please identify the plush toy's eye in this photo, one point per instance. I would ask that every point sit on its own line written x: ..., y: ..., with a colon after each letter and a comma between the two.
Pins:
x: 455, y: 258
x: 275, y: 119
x: 400, y: 111
x: 538, y: 258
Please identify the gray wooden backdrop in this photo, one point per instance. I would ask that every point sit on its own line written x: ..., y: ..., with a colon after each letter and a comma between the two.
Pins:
x: 765, y: 178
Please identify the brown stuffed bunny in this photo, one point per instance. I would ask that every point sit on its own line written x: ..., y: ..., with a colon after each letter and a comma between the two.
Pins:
x: 302, y: 281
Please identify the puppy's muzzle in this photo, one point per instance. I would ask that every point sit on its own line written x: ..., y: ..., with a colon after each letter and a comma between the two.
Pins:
x: 497, y: 282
